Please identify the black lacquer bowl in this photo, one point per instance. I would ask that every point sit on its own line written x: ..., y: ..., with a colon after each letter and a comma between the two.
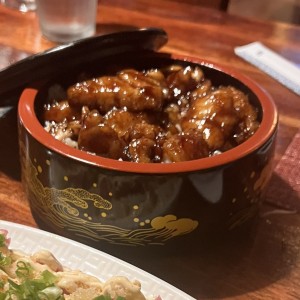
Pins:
x: 112, y: 204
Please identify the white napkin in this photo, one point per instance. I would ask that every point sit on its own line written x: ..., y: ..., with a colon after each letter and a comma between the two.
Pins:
x: 271, y: 63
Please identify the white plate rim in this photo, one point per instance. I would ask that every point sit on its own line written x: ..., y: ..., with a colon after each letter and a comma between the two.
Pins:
x: 69, y: 253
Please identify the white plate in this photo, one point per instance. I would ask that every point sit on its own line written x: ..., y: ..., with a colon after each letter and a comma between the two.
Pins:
x: 78, y: 256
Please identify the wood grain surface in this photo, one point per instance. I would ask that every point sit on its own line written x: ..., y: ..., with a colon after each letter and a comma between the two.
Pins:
x: 262, y: 265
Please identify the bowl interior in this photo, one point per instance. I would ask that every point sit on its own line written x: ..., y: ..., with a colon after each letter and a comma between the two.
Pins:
x: 55, y: 87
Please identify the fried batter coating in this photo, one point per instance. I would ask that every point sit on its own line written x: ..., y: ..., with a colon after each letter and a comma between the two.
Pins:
x: 120, y: 128
x: 123, y: 121
x: 218, y: 115
x: 91, y: 118
x: 183, y: 80
x: 101, y: 140
x: 141, y: 150
x: 129, y: 88
x: 60, y: 111
x: 172, y: 114
x: 184, y: 147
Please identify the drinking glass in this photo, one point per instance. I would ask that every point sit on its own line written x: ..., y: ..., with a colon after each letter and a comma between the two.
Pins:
x: 65, y: 21
x: 21, y: 5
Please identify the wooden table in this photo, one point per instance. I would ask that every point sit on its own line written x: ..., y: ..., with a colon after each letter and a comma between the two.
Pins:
x: 263, y: 266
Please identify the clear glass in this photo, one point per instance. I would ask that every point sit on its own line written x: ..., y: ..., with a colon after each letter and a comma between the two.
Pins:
x: 65, y: 21
x: 21, y: 5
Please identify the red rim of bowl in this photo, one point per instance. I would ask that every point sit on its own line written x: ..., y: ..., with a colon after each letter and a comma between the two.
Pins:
x: 267, y: 128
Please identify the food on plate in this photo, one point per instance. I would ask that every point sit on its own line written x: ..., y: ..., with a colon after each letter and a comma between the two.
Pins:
x: 170, y: 114
x: 41, y: 276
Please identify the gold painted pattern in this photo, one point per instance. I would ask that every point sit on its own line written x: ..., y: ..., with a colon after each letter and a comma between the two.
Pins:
x: 68, y: 208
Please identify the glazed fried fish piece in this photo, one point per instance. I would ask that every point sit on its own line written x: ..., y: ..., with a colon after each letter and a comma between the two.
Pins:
x: 129, y: 89
x: 183, y: 147
x: 181, y: 81
x: 101, y: 140
x: 119, y: 134
x: 60, y: 111
x: 224, y: 114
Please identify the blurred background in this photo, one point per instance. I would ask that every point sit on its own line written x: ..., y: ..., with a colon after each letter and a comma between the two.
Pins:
x: 278, y: 10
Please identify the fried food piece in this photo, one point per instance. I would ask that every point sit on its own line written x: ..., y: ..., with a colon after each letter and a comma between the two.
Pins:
x: 183, y: 147
x: 45, y: 257
x: 143, y: 145
x: 61, y: 111
x: 183, y: 80
x: 202, y: 90
x: 171, y: 114
x: 123, y: 287
x: 141, y: 150
x: 91, y: 118
x: 217, y: 115
x: 101, y: 140
x: 129, y: 88
x: 123, y: 121
x: 129, y: 134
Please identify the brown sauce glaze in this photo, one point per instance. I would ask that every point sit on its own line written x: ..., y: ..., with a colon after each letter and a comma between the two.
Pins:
x: 161, y: 115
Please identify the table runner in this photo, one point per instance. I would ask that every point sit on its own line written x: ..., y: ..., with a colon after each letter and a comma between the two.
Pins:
x: 284, y: 188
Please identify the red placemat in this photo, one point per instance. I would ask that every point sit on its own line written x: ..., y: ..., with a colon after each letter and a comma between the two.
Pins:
x: 284, y: 188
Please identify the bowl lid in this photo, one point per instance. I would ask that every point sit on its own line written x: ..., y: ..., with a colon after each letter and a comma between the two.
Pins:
x: 36, y: 67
